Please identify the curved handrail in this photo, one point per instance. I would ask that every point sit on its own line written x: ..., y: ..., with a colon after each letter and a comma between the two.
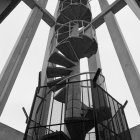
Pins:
x: 67, y: 78
x: 71, y: 2
x: 72, y: 21
x: 82, y: 31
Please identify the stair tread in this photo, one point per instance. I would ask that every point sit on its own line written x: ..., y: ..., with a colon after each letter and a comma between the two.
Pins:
x: 83, y: 1
x: 78, y: 127
x: 102, y: 113
x: 54, y: 82
x: 59, y: 59
x: 57, y: 72
x: 61, y: 95
x: 75, y: 125
x: 61, y: 29
x: 69, y: 13
x: 61, y: 37
x: 66, y: 49
x: 79, y: 43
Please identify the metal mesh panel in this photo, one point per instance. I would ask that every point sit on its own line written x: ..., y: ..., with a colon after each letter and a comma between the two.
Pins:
x: 101, y: 116
x: 112, y: 125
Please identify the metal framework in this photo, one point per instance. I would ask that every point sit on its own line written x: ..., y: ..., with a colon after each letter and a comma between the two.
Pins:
x: 99, y: 110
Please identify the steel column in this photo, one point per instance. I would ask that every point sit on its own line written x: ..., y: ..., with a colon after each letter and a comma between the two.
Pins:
x: 17, y: 56
x: 123, y: 53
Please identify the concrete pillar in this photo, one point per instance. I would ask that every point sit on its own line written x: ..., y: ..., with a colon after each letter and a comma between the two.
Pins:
x: 73, y: 101
x: 51, y: 44
x: 94, y: 61
x: 134, y: 7
x: 17, y: 56
x: 129, y: 68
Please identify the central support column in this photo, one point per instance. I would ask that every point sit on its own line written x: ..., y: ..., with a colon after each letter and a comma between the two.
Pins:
x: 73, y: 90
x: 74, y: 96
x: 125, y: 58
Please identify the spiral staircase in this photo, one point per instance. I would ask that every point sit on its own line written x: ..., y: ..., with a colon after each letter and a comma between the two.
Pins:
x: 63, y: 73
x: 71, y: 47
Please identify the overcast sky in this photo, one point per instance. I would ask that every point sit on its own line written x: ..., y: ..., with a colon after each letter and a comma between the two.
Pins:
x: 23, y: 90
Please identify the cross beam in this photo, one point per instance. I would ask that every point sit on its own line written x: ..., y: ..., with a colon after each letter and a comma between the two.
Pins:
x: 96, y: 22
x: 114, y: 7
x: 47, y: 17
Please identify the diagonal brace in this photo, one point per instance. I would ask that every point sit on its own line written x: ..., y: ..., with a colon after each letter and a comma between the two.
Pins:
x: 47, y: 17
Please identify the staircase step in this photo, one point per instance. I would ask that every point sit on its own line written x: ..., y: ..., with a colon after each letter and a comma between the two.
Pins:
x: 75, y: 1
x: 62, y: 19
x: 54, y: 82
x: 65, y: 4
x: 66, y: 49
x: 61, y: 37
x: 53, y: 72
x: 84, y: 2
x: 70, y: 14
x: 62, y: 29
x: 61, y: 95
x: 106, y: 134
x: 89, y: 121
x: 59, y: 59
x: 83, y: 46
x: 77, y: 127
x: 85, y: 14
x: 102, y: 114
x: 59, y: 135
x: 59, y: 83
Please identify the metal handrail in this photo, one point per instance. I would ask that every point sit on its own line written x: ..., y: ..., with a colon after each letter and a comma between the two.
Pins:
x: 74, y: 3
x: 72, y: 21
x: 67, y: 78
x: 67, y: 25
x: 68, y: 81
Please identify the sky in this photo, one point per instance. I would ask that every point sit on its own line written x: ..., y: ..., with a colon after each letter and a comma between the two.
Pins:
x: 24, y: 88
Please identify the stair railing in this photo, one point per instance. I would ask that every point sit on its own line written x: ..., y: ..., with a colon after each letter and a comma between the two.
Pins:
x: 70, y: 25
x: 114, y: 124
x: 37, y: 124
x: 104, y: 100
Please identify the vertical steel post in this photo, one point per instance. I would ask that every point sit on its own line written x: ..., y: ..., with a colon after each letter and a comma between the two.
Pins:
x: 127, y: 63
x: 17, y: 56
